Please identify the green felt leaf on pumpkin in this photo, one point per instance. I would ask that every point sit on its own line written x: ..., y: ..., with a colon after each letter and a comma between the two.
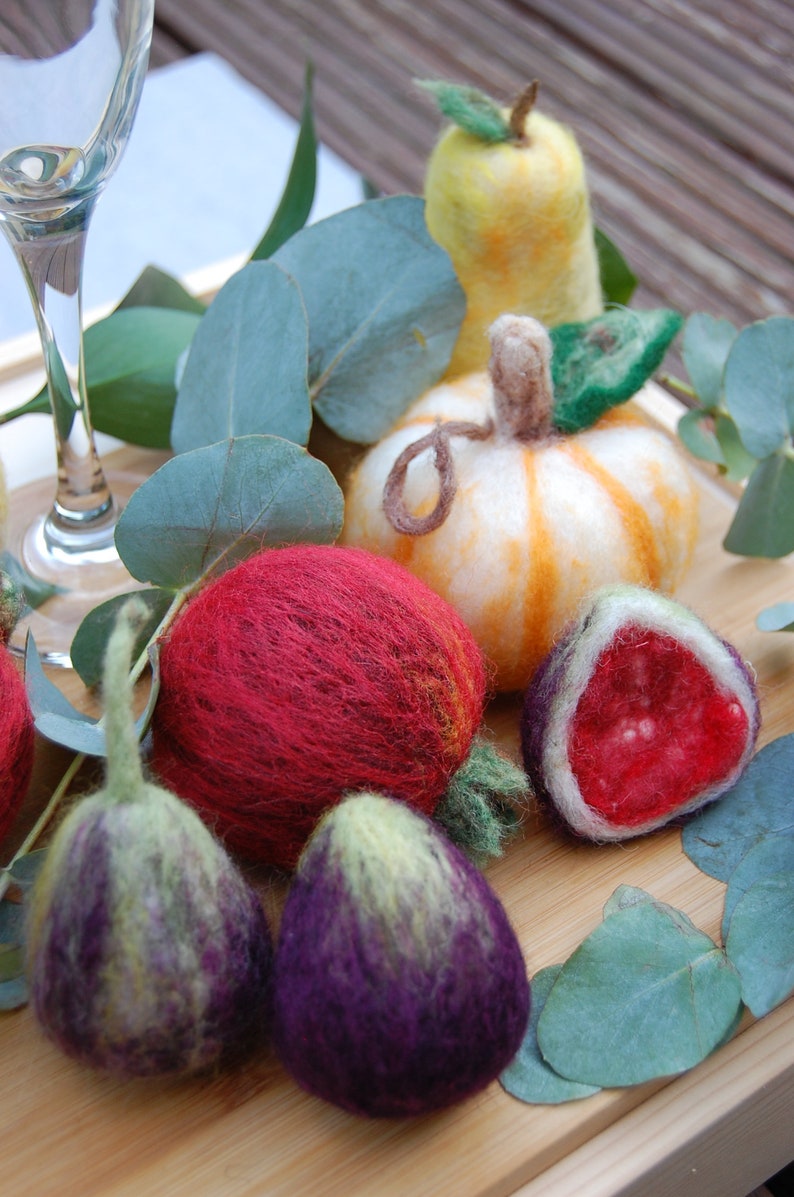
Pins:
x: 246, y: 369
x: 470, y: 109
x: 763, y: 524
x: 297, y: 199
x: 384, y: 307
x: 705, y: 346
x: 529, y: 1077
x: 618, y: 280
x: 87, y: 652
x: 777, y: 618
x: 759, y: 385
x: 756, y: 808
x: 760, y: 941
x: 599, y: 363
x: 646, y: 995
x: 206, y: 509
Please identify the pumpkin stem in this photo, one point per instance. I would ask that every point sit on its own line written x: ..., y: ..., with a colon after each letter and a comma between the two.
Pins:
x: 522, y: 106
x: 394, y: 506
x: 520, y: 368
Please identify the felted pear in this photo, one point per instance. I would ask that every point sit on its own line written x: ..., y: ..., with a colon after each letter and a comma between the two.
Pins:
x: 506, y: 196
x: 399, y: 984
x: 148, y: 953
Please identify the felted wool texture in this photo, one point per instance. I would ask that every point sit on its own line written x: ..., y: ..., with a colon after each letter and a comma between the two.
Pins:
x: 399, y: 984
x: 515, y: 220
x: 306, y: 672
x: 16, y: 741
x: 639, y: 715
x: 147, y: 952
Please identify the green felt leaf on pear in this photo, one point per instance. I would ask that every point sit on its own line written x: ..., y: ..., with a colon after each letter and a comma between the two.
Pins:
x: 599, y: 363
x: 470, y: 109
x: 246, y: 369
x: 777, y: 618
x: 775, y: 854
x: 87, y: 652
x: 206, y: 509
x: 763, y: 524
x: 758, y: 807
x: 760, y: 941
x: 297, y: 199
x: 529, y: 1077
x: 384, y: 307
x: 618, y: 280
x: 646, y: 995
x: 155, y: 288
x: 705, y: 346
x: 759, y: 385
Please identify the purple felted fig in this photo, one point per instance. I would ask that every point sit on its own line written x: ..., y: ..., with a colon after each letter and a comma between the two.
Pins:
x: 640, y: 714
x: 399, y: 984
x: 148, y: 953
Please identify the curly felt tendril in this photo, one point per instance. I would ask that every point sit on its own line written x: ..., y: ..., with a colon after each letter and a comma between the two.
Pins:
x: 397, y: 513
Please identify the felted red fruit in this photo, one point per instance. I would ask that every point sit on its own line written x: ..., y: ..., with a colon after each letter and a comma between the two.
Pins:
x: 638, y: 715
x: 16, y: 741
x: 306, y: 672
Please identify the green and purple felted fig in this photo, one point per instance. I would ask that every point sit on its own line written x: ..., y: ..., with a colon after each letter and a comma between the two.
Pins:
x: 640, y: 714
x: 399, y: 984
x: 148, y: 952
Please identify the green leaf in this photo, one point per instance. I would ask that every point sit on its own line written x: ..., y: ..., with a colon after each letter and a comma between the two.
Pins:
x: 206, y: 509
x: 757, y: 807
x: 246, y: 369
x: 705, y: 347
x: 599, y: 363
x: 777, y: 618
x: 775, y: 854
x: 763, y: 524
x: 297, y: 198
x: 384, y: 307
x: 12, y: 922
x: 12, y: 961
x: 737, y: 462
x: 35, y: 591
x: 155, y: 289
x: 646, y: 995
x: 760, y: 941
x: 529, y: 1077
x: 759, y: 385
x: 470, y: 109
x: 38, y: 405
x: 13, y: 994
x: 26, y: 869
x: 90, y: 641
x: 618, y: 280
x: 698, y: 433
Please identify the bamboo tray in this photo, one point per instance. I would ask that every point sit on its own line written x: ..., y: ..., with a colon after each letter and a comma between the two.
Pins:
x: 715, y: 1132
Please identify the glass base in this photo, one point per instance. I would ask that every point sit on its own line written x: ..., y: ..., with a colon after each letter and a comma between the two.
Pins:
x: 86, y: 568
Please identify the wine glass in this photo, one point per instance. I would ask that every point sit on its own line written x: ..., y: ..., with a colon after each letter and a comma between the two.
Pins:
x: 70, y: 81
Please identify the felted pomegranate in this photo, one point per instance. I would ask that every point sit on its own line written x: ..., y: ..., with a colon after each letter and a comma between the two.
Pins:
x: 16, y: 719
x: 511, y: 520
x: 639, y: 714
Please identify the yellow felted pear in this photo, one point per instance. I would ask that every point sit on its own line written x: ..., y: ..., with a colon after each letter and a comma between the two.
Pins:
x: 506, y: 196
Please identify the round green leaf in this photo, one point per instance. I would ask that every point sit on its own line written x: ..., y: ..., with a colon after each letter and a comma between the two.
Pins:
x: 760, y: 941
x: 763, y: 525
x: 777, y: 618
x: 706, y: 344
x: 529, y: 1077
x: 775, y: 854
x: 759, y: 384
x: 384, y: 307
x: 698, y: 433
x: 757, y: 807
x: 87, y: 652
x: 618, y: 280
x: 645, y: 995
x: 209, y: 508
x: 246, y: 369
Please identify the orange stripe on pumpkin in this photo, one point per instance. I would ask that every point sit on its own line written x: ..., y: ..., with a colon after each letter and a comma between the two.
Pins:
x: 544, y: 578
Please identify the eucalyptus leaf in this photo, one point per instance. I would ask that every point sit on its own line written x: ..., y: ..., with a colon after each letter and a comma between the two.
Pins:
x: 35, y: 591
x: 599, y: 363
x: 646, y: 995
x: 13, y: 994
x: 87, y: 652
x: 775, y: 854
x: 384, y: 307
x: 757, y: 807
x: 759, y: 385
x: 207, y: 509
x: 12, y: 961
x: 763, y: 524
x: 246, y: 369
x: 760, y: 941
x: 12, y: 922
x: 618, y: 280
x: 26, y: 869
x: 777, y: 618
x: 698, y: 433
x: 624, y: 897
x: 737, y: 462
x: 154, y: 288
x: 529, y: 1077
x: 297, y: 199
x: 705, y: 346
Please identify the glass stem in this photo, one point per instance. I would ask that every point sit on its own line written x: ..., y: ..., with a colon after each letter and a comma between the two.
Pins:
x: 50, y: 253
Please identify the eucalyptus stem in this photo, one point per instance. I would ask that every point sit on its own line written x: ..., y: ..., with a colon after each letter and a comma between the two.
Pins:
x: 44, y: 818
x: 678, y: 384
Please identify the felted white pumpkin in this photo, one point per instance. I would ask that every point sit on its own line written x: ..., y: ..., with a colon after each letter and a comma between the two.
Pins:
x: 513, y: 521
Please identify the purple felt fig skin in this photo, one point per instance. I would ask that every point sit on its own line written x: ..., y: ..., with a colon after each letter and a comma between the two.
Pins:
x: 399, y: 984
x: 542, y: 729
